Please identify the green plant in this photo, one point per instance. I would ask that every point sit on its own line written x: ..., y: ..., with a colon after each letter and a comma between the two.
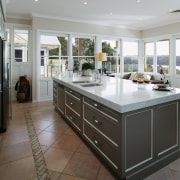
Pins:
x: 88, y: 65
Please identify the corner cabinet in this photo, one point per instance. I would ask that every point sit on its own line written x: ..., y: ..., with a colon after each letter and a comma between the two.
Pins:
x: 133, y: 144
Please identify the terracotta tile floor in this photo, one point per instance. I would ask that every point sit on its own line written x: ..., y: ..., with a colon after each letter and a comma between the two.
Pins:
x: 65, y: 154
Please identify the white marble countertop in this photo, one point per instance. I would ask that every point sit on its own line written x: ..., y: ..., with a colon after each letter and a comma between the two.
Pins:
x: 120, y: 95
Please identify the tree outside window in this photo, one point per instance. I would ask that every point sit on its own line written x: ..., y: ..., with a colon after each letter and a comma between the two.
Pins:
x: 83, y: 51
x: 112, y: 50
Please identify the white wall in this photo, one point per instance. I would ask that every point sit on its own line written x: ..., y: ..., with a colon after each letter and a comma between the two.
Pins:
x: 76, y: 27
x: 161, y: 31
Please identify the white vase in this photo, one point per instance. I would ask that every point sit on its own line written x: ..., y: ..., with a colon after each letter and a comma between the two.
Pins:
x: 87, y: 72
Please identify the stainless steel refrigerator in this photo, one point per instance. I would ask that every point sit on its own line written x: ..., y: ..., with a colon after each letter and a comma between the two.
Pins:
x: 5, y: 97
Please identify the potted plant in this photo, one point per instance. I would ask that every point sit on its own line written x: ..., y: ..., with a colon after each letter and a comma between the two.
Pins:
x: 87, y: 68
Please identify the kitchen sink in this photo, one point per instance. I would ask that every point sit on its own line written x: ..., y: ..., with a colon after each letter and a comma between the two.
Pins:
x: 90, y: 84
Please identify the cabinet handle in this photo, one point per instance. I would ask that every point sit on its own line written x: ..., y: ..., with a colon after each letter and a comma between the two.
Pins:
x: 70, y: 117
x: 97, y: 122
x: 95, y: 105
x: 71, y: 103
x: 96, y: 141
x: 70, y: 91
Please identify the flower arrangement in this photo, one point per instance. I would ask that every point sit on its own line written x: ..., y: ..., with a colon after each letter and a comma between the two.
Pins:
x: 88, y: 65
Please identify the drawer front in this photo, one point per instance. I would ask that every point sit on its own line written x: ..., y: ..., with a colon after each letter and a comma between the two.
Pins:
x: 73, y: 103
x: 55, y: 93
x: 102, y: 108
x: 73, y: 93
x: 103, y: 123
x: 55, y: 85
x: 107, y: 150
x: 74, y: 119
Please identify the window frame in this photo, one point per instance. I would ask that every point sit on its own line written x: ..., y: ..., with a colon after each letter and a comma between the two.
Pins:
x: 117, y: 56
x: 78, y: 60
x: 138, y: 54
x: 27, y: 54
x: 155, y: 69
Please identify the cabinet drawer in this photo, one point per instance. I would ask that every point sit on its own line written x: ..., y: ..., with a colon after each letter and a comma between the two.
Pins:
x: 73, y: 93
x: 109, y: 151
x: 102, y: 108
x: 102, y: 123
x: 74, y: 118
x: 55, y: 85
x: 73, y: 103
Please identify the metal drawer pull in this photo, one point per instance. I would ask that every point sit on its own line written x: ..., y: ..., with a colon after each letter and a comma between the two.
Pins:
x: 71, y: 103
x: 95, y: 105
x: 70, y: 91
x: 97, y: 122
x: 96, y: 141
x: 71, y: 117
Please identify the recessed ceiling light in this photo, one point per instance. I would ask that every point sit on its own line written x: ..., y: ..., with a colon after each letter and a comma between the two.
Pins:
x: 36, y: 0
x: 85, y: 3
x: 138, y: 1
x: 110, y: 13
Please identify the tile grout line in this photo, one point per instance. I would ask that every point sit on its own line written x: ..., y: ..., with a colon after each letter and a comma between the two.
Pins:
x: 40, y: 164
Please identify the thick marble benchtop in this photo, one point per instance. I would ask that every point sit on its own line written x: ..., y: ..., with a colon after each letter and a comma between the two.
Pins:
x: 120, y: 95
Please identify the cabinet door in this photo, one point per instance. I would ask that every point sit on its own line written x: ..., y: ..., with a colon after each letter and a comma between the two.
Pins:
x: 138, y: 138
x: 61, y: 99
x: 166, y: 128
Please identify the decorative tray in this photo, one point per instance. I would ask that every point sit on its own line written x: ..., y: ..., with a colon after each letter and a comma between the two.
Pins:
x: 162, y: 88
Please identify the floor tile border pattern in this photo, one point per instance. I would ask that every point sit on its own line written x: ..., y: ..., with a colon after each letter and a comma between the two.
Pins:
x: 40, y: 164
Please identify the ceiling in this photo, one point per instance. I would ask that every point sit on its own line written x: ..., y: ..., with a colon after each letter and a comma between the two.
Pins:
x: 131, y: 14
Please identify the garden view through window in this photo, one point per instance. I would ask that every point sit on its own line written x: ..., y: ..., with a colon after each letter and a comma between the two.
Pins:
x: 112, y: 50
x: 53, y: 55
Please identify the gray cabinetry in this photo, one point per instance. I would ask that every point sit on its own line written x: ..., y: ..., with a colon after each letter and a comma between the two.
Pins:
x: 55, y: 92
x: 138, y: 138
x: 73, y: 108
x: 166, y: 128
x: 101, y: 129
x: 59, y: 97
x: 134, y: 144
x: 150, y: 138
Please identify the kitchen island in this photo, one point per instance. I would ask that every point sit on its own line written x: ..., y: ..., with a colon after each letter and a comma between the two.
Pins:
x: 132, y: 127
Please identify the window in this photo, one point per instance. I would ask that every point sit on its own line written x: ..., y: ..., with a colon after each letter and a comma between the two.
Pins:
x: 148, y: 57
x: 19, y: 55
x: 53, y: 55
x: 177, y: 56
x: 83, y: 51
x: 112, y: 50
x: 162, y: 50
x: 131, y: 56
x: 156, y: 56
x: 21, y: 45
